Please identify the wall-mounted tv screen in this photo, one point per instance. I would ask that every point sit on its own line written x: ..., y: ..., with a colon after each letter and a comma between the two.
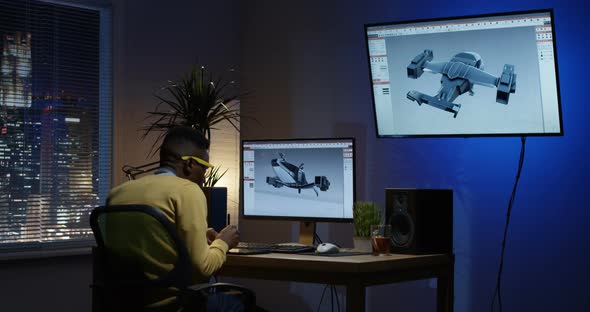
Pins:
x: 485, y: 75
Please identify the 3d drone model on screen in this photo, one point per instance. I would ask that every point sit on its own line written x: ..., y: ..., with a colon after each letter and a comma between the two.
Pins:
x: 292, y: 176
x: 459, y: 75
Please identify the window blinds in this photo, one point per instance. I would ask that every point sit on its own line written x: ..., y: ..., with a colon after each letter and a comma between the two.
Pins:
x: 55, y: 122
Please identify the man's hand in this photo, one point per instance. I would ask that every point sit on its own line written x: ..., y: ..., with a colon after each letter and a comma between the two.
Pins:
x: 211, y: 235
x: 230, y: 235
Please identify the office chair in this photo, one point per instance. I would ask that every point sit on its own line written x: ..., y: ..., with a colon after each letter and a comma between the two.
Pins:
x: 120, y: 284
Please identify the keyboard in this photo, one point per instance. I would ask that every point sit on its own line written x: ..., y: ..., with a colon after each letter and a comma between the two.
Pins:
x: 281, y: 248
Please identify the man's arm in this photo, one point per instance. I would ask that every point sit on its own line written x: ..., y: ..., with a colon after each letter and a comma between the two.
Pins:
x: 191, y: 222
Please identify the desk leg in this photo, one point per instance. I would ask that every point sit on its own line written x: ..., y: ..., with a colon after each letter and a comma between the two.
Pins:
x: 445, y: 290
x: 355, y: 297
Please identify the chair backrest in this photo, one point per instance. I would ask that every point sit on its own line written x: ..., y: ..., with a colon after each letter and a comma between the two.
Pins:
x: 125, y: 236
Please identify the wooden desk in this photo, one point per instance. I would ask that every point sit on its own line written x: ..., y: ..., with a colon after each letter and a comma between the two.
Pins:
x: 354, y: 272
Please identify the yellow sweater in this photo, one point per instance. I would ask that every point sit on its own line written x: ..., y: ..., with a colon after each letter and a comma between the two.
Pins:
x: 184, y: 203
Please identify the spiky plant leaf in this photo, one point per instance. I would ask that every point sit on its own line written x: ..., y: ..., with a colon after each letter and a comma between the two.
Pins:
x: 213, y: 176
x: 198, y: 101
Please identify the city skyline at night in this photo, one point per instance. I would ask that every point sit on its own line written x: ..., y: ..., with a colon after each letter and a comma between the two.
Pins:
x: 49, y: 124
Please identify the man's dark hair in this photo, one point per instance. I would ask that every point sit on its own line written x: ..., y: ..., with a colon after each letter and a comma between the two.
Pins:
x: 181, y: 141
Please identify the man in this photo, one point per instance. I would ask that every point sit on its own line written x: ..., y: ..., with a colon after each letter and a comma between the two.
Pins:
x: 175, y: 190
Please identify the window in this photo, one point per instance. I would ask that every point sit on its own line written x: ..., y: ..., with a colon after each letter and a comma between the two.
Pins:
x: 55, y: 122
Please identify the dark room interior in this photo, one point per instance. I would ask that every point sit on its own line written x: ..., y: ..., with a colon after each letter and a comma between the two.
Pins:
x: 304, y: 64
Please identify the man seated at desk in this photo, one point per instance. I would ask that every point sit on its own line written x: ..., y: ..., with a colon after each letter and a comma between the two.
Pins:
x: 175, y: 189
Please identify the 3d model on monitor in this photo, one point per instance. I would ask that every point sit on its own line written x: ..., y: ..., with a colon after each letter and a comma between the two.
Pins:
x: 292, y: 176
x: 458, y: 76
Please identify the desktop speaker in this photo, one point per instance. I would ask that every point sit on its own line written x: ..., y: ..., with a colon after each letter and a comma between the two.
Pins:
x: 421, y: 220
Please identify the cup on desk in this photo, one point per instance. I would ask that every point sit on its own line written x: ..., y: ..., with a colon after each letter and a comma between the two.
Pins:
x: 381, y: 239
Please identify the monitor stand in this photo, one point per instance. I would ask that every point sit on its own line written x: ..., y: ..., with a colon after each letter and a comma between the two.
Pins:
x: 306, y: 232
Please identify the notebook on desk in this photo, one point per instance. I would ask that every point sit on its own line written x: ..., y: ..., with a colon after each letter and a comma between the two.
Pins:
x: 248, y: 251
x: 249, y: 248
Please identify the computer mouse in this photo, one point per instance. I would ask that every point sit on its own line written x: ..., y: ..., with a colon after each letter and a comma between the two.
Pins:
x: 327, y: 248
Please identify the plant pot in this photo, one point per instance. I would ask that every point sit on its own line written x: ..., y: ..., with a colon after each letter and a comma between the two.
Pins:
x: 362, y: 243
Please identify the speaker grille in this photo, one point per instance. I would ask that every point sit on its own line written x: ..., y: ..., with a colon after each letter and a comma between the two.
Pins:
x: 421, y: 220
x: 402, y: 230
x: 402, y: 225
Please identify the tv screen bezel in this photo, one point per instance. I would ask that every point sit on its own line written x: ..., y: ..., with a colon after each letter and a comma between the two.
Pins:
x: 468, y: 135
x: 290, y: 218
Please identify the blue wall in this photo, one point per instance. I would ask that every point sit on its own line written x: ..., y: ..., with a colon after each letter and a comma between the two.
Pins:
x: 308, y: 69
x: 546, y: 258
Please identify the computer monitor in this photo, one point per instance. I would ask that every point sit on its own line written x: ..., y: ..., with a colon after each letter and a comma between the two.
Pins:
x: 485, y: 75
x: 308, y: 180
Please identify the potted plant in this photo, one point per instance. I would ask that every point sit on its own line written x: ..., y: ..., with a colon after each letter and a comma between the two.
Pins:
x: 365, y: 214
x: 198, y: 100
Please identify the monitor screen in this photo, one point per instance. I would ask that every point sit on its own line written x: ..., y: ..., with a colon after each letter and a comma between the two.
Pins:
x: 492, y: 75
x: 303, y: 179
